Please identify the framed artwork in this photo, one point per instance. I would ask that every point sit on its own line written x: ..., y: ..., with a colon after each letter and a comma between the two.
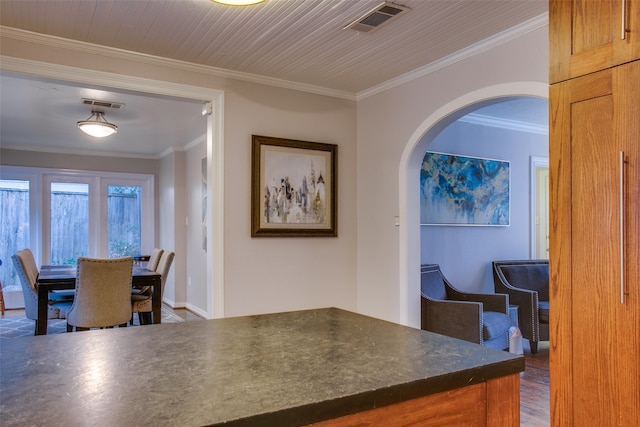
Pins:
x: 459, y: 190
x: 293, y: 188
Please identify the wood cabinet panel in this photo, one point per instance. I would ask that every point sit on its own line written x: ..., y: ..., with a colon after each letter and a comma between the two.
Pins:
x: 595, y: 328
x: 586, y: 36
x: 495, y: 403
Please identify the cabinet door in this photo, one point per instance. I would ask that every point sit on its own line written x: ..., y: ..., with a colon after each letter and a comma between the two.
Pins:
x: 594, y: 255
x: 586, y: 36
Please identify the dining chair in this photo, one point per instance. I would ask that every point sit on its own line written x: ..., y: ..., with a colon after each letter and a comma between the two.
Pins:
x: 27, y: 270
x: 142, y: 304
x: 103, y: 292
x: 152, y: 264
x: 154, y: 259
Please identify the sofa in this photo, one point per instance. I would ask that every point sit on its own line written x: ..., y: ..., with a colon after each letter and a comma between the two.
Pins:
x: 527, y: 284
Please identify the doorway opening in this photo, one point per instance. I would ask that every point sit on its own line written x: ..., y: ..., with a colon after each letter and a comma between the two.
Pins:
x: 419, y: 143
x: 214, y: 149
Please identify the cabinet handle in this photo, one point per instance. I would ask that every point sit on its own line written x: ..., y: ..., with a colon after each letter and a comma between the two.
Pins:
x: 624, y: 20
x: 622, y: 253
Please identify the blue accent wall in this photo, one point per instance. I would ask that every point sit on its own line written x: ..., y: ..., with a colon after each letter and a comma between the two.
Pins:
x: 464, y: 253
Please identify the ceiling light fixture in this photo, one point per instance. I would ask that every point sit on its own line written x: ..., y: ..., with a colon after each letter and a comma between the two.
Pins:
x: 239, y: 2
x: 99, y: 127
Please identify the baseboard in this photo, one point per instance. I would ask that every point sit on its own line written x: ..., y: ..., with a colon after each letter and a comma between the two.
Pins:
x: 196, y: 310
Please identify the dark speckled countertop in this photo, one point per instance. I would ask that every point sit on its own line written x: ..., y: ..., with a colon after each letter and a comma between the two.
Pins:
x: 284, y: 369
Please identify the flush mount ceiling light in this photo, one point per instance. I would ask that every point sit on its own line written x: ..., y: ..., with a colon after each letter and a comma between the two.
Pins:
x: 238, y: 2
x: 97, y: 126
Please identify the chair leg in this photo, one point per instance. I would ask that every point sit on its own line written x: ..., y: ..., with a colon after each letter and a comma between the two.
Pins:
x: 69, y: 328
x: 123, y: 325
x: 145, y: 317
x: 534, y: 346
x: 1, y: 300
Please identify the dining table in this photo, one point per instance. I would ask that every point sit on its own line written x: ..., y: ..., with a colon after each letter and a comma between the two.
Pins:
x: 63, y: 277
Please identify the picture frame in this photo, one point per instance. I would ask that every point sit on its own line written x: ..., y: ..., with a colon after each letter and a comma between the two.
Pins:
x: 293, y: 188
x: 464, y: 190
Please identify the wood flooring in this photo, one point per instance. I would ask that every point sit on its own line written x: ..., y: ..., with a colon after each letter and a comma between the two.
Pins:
x: 534, y: 388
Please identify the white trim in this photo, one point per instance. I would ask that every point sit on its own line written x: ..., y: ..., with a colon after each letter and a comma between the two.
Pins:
x: 215, y: 145
x: 93, y: 49
x: 535, y: 162
x: 496, y: 122
x: 408, y: 193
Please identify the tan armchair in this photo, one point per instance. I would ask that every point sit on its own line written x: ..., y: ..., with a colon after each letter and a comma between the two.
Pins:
x: 142, y: 304
x: 103, y: 293
x: 527, y: 283
x: 478, y: 318
x: 27, y: 269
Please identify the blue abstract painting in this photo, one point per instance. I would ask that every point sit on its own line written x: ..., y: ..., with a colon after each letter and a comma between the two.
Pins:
x: 458, y: 190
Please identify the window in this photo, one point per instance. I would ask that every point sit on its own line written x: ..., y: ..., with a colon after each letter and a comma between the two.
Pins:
x: 77, y: 213
x: 14, y: 225
x: 124, y: 214
x: 69, y: 222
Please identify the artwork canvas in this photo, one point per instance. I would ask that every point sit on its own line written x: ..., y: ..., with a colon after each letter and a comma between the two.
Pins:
x: 293, y: 188
x: 459, y: 190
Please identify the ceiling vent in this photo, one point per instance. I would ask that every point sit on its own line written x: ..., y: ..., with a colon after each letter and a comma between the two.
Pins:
x: 376, y: 17
x: 102, y: 104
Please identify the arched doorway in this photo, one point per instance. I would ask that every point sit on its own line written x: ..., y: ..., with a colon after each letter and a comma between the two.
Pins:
x: 409, y: 182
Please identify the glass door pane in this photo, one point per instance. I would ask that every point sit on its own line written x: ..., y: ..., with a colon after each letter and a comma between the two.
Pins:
x: 123, y: 220
x: 14, y: 226
x: 69, y: 222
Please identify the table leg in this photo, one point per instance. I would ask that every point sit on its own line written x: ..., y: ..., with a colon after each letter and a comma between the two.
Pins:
x: 43, y: 311
x: 156, y: 301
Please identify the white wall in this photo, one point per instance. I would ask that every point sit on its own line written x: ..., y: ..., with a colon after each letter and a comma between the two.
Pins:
x: 390, y: 125
x: 166, y: 194
x: 196, y: 256
x: 465, y: 253
x: 281, y: 274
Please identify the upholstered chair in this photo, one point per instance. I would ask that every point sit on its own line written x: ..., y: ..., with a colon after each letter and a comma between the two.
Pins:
x: 27, y: 269
x: 103, y: 293
x: 478, y: 318
x: 142, y: 304
x: 152, y: 264
x: 154, y: 259
x: 527, y: 284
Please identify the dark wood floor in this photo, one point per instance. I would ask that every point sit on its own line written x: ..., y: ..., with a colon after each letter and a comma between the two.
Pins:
x: 534, y: 381
x: 534, y: 388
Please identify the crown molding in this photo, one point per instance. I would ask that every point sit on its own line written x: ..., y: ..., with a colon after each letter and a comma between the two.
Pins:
x: 93, y: 49
x: 517, y: 125
x: 472, y: 50
x: 80, y: 152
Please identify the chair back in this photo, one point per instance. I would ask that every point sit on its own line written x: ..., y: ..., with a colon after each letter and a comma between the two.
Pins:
x: 526, y: 274
x: 24, y: 264
x: 29, y: 267
x: 164, y: 266
x: 154, y: 259
x: 103, y: 293
x: 432, y: 282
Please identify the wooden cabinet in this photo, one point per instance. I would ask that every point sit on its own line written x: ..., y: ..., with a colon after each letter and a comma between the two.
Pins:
x: 594, y: 142
x: 588, y: 35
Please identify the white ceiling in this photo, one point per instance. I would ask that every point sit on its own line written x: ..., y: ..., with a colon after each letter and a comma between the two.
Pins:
x: 300, y: 41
